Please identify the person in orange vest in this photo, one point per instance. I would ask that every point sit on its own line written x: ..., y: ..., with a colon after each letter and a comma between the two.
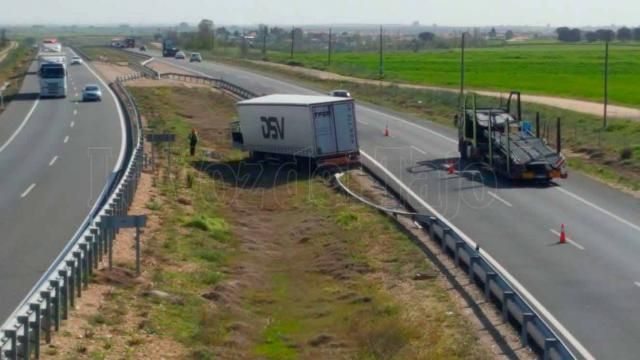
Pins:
x: 193, y: 141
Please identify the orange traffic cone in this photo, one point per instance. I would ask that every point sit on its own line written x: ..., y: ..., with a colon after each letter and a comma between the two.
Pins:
x: 386, y: 130
x: 451, y: 168
x: 563, y: 236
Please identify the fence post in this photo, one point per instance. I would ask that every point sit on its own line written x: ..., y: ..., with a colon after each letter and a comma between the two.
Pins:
x: 13, y: 338
x: 64, y: 291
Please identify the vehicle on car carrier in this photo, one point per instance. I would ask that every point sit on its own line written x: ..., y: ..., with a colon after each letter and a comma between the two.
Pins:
x: 498, y: 137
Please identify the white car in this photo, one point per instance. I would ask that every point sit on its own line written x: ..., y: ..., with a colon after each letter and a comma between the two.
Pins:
x: 91, y: 92
x: 76, y: 60
x: 195, y: 57
x: 340, y: 93
x: 180, y: 55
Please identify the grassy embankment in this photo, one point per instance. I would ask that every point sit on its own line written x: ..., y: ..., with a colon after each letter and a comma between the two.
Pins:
x: 106, y: 54
x: 259, y: 263
x: 13, y: 69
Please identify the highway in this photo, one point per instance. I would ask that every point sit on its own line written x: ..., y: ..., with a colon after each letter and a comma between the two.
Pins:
x: 588, y: 289
x: 55, y: 158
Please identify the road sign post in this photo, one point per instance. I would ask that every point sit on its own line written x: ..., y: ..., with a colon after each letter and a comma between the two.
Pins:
x: 2, y: 90
x: 129, y: 221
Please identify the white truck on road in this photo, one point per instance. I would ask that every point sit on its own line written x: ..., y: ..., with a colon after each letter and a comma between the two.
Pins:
x: 52, y: 70
x: 318, y: 128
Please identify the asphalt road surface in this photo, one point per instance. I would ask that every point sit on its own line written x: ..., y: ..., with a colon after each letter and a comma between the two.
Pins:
x: 55, y: 158
x: 588, y: 289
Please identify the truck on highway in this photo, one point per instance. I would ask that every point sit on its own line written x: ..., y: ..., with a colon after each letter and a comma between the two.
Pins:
x: 52, y: 72
x: 500, y: 138
x: 51, y: 45
x: 320, y: 129
x: 169, y: 49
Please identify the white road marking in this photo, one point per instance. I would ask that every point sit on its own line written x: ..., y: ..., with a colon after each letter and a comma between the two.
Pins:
x: 24, y: 122
x: 363, y: 122
x: 606, y: 212
x: 72, y: 123
x: 77, y: 94
x: 495, y: 196
x: 637, y: 284
x: 418, y: 150
x: 556, y: 233
x: 26, y: 192
x: 66, y: 138
x: 75, y: 112
x: 518, y: 287
x: 53, y: 161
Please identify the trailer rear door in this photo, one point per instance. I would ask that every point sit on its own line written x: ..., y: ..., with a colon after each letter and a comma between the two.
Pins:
x: 326, y: 142
x: 344, y: 119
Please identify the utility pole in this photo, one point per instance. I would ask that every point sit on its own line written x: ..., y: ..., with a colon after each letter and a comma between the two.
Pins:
x: 381, y: 70
x: 329, y: 52
x: 606, y: 82
x: 462, y: 70
x: 292, y: 40
x: 264, y: 42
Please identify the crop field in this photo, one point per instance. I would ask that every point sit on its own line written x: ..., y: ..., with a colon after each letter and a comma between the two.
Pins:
x: 567, y: 70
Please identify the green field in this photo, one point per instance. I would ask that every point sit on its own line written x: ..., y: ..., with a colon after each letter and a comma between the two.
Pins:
x: 568, y: 70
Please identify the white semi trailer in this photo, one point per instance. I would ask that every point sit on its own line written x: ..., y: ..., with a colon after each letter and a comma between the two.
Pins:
x: 319, y: 128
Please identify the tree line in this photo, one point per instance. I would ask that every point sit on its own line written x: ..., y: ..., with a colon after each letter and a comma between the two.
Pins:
x: 566, y: 34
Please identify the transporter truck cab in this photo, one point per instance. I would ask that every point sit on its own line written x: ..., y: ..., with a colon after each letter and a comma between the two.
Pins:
x: 321, y: 129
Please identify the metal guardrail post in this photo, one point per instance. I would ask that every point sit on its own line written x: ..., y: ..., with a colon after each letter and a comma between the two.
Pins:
x: 89, y: 249
x: 55, y: 284
x: 35, y: 327
x: 472, y: 260
x: 12, y: 335
x: 491, y: 276
x: 443, y: 241
x: 72, y: 283
x: 459, y: 244
x: 85, y: 265
x: 64, y: 293
x: 524, y: 338
x: 79, y: 271
x: 46, y: 323
x: 95, y: 233
x: 506, y: 297
x: 24, y: 338
x: 549, y: 344
x: 109, y: 212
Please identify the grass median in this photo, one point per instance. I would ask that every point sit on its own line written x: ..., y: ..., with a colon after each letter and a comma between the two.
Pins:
x: 257, y: 260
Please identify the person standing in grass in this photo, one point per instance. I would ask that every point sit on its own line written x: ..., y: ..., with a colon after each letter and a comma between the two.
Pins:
x: 193, y: 141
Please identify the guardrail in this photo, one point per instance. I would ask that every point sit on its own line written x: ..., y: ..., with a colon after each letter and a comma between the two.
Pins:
x: 50, y: 300
x: 533, y: 330
x: 217, y: 83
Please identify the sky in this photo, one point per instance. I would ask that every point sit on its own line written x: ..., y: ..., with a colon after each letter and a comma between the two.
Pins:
x: 301, y: 12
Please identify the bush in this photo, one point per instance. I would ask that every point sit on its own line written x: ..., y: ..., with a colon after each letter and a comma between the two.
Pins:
x: 626, y: 153
x: 217, y: 227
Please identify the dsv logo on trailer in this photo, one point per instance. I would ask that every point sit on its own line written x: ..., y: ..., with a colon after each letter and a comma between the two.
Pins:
x: 272, y: 128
